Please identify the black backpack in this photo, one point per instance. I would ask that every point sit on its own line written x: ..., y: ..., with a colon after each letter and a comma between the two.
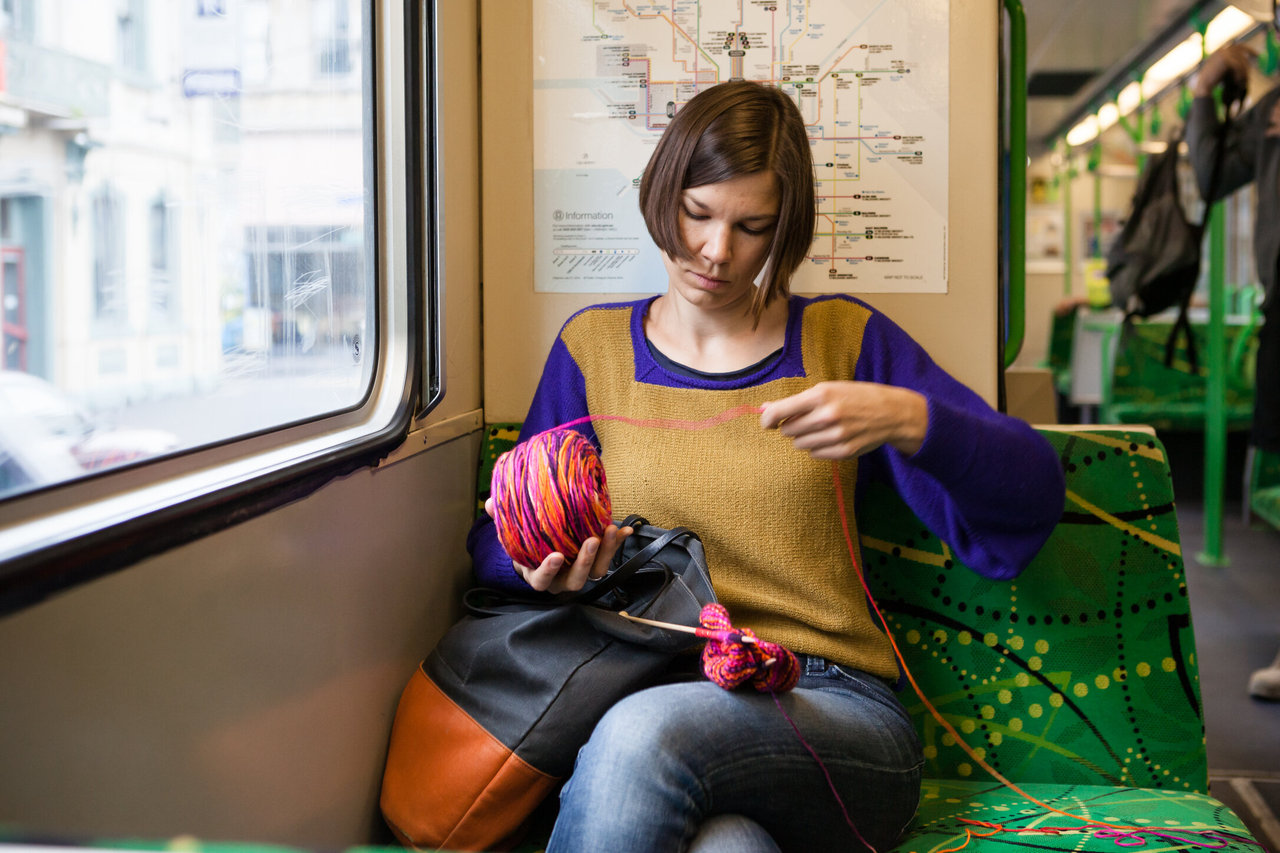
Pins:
x: 1154, y: 263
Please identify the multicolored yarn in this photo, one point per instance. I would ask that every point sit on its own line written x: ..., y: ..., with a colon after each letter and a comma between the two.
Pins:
x: 733, y: 656
x: 549, y: 494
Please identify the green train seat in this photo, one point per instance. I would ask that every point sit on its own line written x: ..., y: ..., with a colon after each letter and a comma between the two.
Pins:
x: 1139, y: 388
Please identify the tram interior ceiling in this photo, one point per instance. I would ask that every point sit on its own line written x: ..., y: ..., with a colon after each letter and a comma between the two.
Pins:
x: 1080, y: 52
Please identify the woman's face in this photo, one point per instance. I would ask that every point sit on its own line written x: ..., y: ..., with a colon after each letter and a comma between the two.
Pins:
x: 727, y: 228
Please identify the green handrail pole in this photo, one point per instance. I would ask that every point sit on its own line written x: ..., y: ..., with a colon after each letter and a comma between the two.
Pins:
x: 1095, y: 166
x: 1215, y: 416
x: 1017, y: 316
x: 1068, y: 250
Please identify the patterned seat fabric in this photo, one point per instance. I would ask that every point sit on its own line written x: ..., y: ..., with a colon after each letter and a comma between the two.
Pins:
x: 1081, y: 670
x: 1143, y: 390
x: 1150, y: 819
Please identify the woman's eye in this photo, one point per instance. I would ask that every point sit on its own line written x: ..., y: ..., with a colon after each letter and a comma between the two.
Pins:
x: 698, y: 216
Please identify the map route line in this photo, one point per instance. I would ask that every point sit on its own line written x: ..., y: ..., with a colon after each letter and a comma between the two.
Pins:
x: 860, y: 25
x: 675, y: 28
x: 807, y: 19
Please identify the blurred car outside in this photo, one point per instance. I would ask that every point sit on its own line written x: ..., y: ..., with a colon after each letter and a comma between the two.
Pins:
x: 42, y: 429
x: 29, y: 458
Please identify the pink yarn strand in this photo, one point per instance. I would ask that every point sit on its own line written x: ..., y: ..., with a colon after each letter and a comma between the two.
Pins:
x: 831, y: 783
x: 670, y: 423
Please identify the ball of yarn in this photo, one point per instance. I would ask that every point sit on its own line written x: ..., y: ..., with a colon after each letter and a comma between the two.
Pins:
x: 730, y: 662
x: 549, y: 494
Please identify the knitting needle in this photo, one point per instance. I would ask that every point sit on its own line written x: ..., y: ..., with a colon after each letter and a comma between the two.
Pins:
x: 701, y: 632
x: 686, y: 629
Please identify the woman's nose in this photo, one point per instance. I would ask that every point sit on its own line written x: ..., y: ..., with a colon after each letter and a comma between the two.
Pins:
x: 717, y: 247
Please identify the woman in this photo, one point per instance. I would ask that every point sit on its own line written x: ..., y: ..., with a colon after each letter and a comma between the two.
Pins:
x: 728, y: 198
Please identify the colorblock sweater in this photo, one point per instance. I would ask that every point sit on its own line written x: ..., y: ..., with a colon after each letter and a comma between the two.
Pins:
x: 986, y: 483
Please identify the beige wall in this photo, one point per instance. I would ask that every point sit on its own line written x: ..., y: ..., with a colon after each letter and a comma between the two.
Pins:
x: 958, y: 328
x: 241, y: 687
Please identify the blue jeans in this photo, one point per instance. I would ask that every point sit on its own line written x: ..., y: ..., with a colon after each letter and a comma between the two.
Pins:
x: 665, y: 761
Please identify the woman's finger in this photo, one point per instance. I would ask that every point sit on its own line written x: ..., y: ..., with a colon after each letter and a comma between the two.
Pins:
x: 544, y: 576
x: 580, y: 570
x: 611, y: 541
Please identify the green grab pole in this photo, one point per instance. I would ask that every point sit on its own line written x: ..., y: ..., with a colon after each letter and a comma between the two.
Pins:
x: 1142, y: 125
x: 1215, y: 417
x: 1132, y: 128
x: 1017, y: 315
x: 1215, y: 413
x: 1095, y: 166
x: 1069, y: 272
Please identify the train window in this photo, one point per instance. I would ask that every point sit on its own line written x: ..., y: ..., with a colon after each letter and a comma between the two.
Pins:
x: 187, y: 247
x: 193, y: 243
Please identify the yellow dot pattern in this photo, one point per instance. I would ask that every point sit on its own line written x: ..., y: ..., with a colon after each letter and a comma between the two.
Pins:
x: 1011, y: 664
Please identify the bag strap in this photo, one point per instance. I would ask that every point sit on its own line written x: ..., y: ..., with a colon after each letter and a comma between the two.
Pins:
x: 624, y: 572
x: 486, y: 601
x: 1183, y: 325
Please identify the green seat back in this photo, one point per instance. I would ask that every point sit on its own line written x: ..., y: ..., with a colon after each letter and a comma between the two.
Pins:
x: 1062, y: 328
x: 1144, y: 390
x: 1082, y: 670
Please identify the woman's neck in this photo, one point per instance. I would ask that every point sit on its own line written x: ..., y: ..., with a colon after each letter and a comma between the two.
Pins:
x: 715, y: 342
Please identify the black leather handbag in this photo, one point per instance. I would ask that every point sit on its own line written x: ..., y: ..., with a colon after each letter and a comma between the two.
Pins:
x: 491, y: 722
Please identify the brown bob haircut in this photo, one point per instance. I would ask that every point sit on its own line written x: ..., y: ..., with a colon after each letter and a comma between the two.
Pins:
x: 734, y: 129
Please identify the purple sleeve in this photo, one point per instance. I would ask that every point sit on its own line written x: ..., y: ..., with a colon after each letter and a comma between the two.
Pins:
x: 986, y: 483
x: 560, y: 397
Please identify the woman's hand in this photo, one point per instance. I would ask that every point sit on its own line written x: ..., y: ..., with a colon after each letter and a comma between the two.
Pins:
x: 1233, y: 60
x: 840, y: 420
x: 592, y: 561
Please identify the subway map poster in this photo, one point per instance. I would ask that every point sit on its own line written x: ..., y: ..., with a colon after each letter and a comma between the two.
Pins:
x: 870, y: 78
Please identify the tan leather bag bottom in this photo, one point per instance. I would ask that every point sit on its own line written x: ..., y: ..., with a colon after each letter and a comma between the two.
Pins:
x: 448, y: 782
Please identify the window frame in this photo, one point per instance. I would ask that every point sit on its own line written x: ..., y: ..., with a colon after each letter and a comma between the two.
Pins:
x: 63, y: 535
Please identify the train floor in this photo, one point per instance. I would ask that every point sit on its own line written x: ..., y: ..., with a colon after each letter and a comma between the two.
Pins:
x: 1235, y: 608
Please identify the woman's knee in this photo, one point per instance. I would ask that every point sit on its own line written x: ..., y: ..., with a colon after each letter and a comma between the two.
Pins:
x: 732, y: 834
